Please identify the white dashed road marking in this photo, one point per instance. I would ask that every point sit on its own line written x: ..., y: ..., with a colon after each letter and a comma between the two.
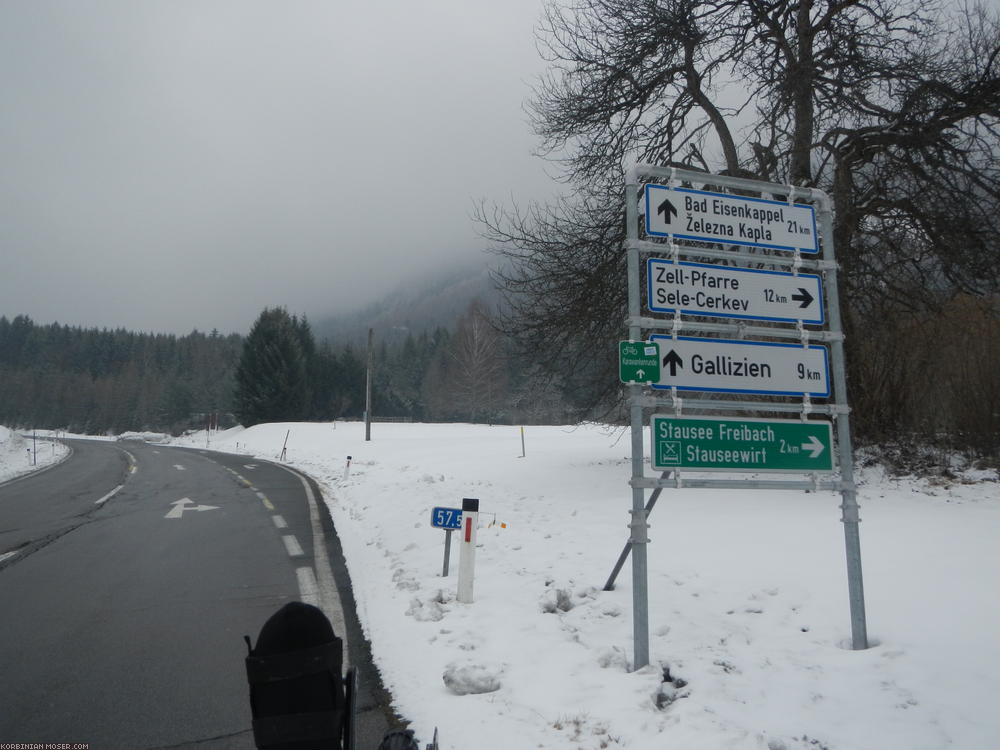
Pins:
x: 292, y: 545
x: 280, y: 522
x: 109, y: 495
x: 307, y: 586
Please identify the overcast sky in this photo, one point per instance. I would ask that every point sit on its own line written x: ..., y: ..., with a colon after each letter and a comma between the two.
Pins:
x: 176, y: 164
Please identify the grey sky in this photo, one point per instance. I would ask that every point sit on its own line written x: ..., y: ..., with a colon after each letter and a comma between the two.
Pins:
x: 171, y: 164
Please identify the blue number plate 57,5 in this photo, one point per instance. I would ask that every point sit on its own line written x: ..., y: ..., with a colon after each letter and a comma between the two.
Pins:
x: 446, y: 518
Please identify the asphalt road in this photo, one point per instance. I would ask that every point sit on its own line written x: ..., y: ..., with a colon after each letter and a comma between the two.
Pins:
x: 128, y: 577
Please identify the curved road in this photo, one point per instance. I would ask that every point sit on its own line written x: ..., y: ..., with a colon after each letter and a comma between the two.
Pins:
x: 128, y: 576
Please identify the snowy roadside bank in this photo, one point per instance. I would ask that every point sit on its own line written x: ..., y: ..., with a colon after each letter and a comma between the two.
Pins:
x: 19, y: 456
x: 748, y: 596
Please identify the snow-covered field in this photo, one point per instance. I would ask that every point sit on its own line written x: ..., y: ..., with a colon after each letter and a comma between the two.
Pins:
x: 748, y: 597
x: 18, y: 455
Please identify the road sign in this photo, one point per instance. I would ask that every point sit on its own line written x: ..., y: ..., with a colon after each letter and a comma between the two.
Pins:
x: 710, y: 444
x: 730, y: 219
x: 446, y: 518
x: 704, y: 289
x: 723, y: 365
x: 638, y: 361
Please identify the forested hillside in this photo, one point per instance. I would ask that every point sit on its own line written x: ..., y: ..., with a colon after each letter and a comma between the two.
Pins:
x: 97, y: 381
x: 93, y: 381
x: 917, y: 381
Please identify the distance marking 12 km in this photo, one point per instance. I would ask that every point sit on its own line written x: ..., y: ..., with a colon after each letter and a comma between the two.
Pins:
x: 730, y: 219
x: 723, y: 291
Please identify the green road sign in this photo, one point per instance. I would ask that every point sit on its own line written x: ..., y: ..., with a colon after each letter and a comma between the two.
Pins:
x: 638, y: 361
x: 709, y: 444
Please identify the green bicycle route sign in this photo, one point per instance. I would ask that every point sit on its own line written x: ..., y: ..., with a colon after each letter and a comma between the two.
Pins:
x: 710, y: 444
x: 638, y: 361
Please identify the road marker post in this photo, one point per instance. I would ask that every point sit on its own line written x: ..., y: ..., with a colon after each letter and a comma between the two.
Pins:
x: 467, y: 551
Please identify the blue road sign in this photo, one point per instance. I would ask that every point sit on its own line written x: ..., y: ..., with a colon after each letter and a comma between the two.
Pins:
x: 446, y: 518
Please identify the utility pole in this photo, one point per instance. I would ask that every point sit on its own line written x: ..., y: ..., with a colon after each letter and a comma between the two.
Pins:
x: 368, y: 386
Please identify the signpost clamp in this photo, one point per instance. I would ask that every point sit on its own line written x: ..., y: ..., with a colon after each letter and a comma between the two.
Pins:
x: 804, y: 333
x: 797, y: 262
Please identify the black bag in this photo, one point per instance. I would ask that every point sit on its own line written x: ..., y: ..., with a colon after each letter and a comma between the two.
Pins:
x: 402, y: 739
x: 296, y: 688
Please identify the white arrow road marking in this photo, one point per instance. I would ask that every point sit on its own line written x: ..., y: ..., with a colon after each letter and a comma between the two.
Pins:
x: 182, y: 505
x: 814, y: 446
x: 179, y: 467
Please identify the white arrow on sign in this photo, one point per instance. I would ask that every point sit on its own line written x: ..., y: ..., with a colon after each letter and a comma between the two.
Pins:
x: 182, y: 505
x: 814, y: 446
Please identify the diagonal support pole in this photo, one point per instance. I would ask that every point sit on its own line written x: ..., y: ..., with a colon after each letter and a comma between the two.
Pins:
x: 610, y: 585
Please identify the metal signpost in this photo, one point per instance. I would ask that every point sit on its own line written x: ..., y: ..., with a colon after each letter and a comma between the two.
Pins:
x: 706, y: 347
x: 448, y: 519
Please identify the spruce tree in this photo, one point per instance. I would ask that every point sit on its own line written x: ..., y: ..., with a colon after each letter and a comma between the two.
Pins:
x: 271, y: 377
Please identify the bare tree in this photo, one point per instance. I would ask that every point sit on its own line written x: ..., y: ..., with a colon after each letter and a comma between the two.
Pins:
x: 476, y: 374
x: 891, y: 106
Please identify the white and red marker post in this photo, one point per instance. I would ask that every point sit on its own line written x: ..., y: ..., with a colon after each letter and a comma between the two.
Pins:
x: 467, y: 551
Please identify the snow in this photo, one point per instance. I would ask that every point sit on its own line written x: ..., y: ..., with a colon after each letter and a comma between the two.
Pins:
x: 16, y: 454
x: 749, y: 618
